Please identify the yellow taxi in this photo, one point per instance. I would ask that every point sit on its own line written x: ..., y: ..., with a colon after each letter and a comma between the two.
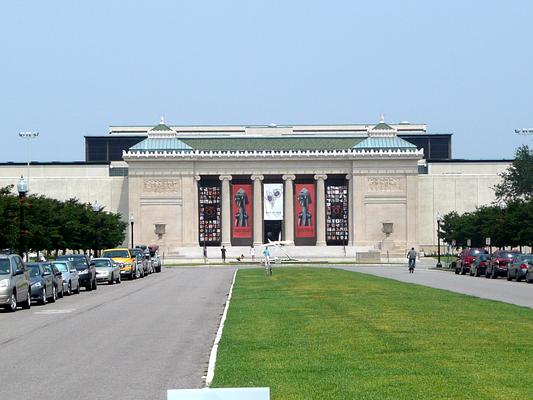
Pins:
x: 126, y: 260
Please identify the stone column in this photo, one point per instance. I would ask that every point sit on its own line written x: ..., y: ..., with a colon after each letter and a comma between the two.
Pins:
x: 258, y: 210
x: 349, y: 183
x: 226, y: 210
x: 197, y: 179
x: 320, y: 210
x: 288, y: 197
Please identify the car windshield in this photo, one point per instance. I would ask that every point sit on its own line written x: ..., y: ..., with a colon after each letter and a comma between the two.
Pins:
x: 116, y: 254
x: 476, y: 252
x: 34, y: 270
x: 101, y: 263
x: 528, y: 257
x: 137, y: 252
x: 61, y: 266
x: 78, y: 262
x: 4, y: 266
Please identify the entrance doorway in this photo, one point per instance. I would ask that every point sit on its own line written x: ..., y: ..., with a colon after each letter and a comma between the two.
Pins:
x: 272, y: 231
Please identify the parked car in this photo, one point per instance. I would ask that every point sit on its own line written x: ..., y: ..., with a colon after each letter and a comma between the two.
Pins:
x: 106, y: 270
x: 466, y: 258
x: 71, y: 281
x: 57, y: 278
x: 498, y: 263
x: 14, y: 283
x: 156, y: 261
x: 479, y: 266
x: 86, y: 272
x: 141, y: 261
x: 126, y: 260
x: 42, y: 283
x: 519, y: 267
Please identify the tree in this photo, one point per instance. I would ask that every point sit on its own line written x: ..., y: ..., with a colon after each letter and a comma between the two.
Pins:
x: 517, y: 180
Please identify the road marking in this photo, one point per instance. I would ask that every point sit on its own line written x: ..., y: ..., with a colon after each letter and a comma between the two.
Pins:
x: 50, y: 312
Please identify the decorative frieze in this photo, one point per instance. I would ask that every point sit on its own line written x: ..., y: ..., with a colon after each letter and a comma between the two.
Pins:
x: 160, y: 185
x: 385, y: 184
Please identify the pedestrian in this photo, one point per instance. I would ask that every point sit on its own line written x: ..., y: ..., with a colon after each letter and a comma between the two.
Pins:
x: 223, y: 251
x: 411, y: 255
x: 266, y: 254
x: 252, y: 253
x: 205, y: 254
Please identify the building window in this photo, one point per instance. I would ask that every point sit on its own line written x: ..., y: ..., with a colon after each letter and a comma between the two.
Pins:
x: 337, y: 214
x: 210, y: 214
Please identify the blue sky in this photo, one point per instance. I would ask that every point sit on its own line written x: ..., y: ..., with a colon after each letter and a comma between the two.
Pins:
x: 70, y: 69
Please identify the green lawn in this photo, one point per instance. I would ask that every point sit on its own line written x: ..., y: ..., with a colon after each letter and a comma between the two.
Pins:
x: 331, y: 334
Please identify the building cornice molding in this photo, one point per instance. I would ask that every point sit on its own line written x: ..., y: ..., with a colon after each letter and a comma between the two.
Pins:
x: 351, y: 154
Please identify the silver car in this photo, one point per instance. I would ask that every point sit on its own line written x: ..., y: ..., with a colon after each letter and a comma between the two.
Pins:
x: 70, y: 275
x: 107, y: 270
x: 14, y: 283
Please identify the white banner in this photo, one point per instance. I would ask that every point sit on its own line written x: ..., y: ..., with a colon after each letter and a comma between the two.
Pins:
x: 273, y: 201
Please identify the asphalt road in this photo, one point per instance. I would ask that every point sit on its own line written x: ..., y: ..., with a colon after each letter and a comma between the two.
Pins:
x: 519, y: 293
x: 129, y: 341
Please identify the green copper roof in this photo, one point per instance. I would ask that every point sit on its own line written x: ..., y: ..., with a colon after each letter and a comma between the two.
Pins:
x: 382, y: 126
x: 157, y: 144
x: 271, y: 143
x: 384, y: 143
x: 161, y: 128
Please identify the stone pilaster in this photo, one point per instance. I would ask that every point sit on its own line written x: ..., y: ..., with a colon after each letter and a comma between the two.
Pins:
x: 226, y: 210
x: 197, y: 179
x: 288, y: 223
x: 258, y: 209
x: 320, y: 209
x: 349, y: 183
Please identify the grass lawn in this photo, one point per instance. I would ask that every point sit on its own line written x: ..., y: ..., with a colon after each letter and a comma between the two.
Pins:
x: 331, y: 334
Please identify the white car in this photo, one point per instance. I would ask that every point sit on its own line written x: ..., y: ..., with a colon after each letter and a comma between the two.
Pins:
x: 107, y: 270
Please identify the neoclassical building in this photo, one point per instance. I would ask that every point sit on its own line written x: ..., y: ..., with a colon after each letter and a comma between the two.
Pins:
x: 327, y: 188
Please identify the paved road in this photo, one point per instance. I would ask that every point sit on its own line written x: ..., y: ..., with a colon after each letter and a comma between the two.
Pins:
x: 129, y: 341
x: 519, y: 293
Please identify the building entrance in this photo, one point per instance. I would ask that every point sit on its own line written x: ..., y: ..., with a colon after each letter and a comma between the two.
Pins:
x: 272, y: 231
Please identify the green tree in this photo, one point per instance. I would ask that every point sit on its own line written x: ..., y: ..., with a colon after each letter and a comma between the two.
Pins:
x: 517, y: 180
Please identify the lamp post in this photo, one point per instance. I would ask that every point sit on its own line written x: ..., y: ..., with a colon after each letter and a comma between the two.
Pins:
x: 439, y: 219
x: 22, y: 188
x: 96, y: 208
x: 132, y: 220
x: 28, y: 136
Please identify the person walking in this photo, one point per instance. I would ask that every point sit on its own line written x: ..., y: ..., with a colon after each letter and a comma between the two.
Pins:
x: 266, y: 254
x: 223, y: 251
x: 411, y: 255
x: 205, y: 254
x: 252, y: 253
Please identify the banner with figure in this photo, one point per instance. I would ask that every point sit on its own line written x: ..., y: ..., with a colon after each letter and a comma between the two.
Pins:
x: 241, y: 210
x: 305, y: 210
x: 273, y: 201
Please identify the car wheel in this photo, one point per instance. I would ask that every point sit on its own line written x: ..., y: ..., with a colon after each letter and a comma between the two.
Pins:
x: 77, y: 291
x: 69, y: 290
x: 456, y: 271
x: 43, y: 299
x: 95, y: 286
x: 27, y: 304
x: 60, y: 294
x: 137, y: 274
x: 110, y: 281
x: 487, y: 274
x: 54, y: 295
x: 518, y: 278
x: 529, y: 279
x: 509, y: 277
x: 463, y: 271
x: 494, y: 274
x: 118, y: 279
x: 12, y: 302
x: 89, y: 286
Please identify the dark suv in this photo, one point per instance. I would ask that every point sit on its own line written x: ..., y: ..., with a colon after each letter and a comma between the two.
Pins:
x: 86, y: 271
x: 466, y: 258
x: 498, y: 263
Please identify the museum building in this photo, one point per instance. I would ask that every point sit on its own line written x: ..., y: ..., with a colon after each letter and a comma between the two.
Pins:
x: 351, y: 188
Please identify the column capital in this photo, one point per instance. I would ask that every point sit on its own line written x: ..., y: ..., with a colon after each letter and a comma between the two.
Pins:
x: 320, y: 176
x: 225, y: 177
x: 348, y: 177
x: 197, y: 177
x: 289, y: 177
x: 257, y: 177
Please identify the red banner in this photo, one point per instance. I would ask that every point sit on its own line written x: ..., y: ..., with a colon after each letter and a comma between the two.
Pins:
x: 241, y: 210
x: 305, y: 216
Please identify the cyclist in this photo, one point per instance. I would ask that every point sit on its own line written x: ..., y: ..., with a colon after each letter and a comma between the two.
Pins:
x: 411, y: 255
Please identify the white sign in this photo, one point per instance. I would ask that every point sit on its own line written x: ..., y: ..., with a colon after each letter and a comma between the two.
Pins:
x: 220, y: 394
x: 487, y: 241
x: 273, y: 201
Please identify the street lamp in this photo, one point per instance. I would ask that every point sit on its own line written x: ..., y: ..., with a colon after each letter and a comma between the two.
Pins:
x: 96, y: 208
x: 28, y: 136
x: 22, y: 188
x: 132, y: 220
x: 439, y: 219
